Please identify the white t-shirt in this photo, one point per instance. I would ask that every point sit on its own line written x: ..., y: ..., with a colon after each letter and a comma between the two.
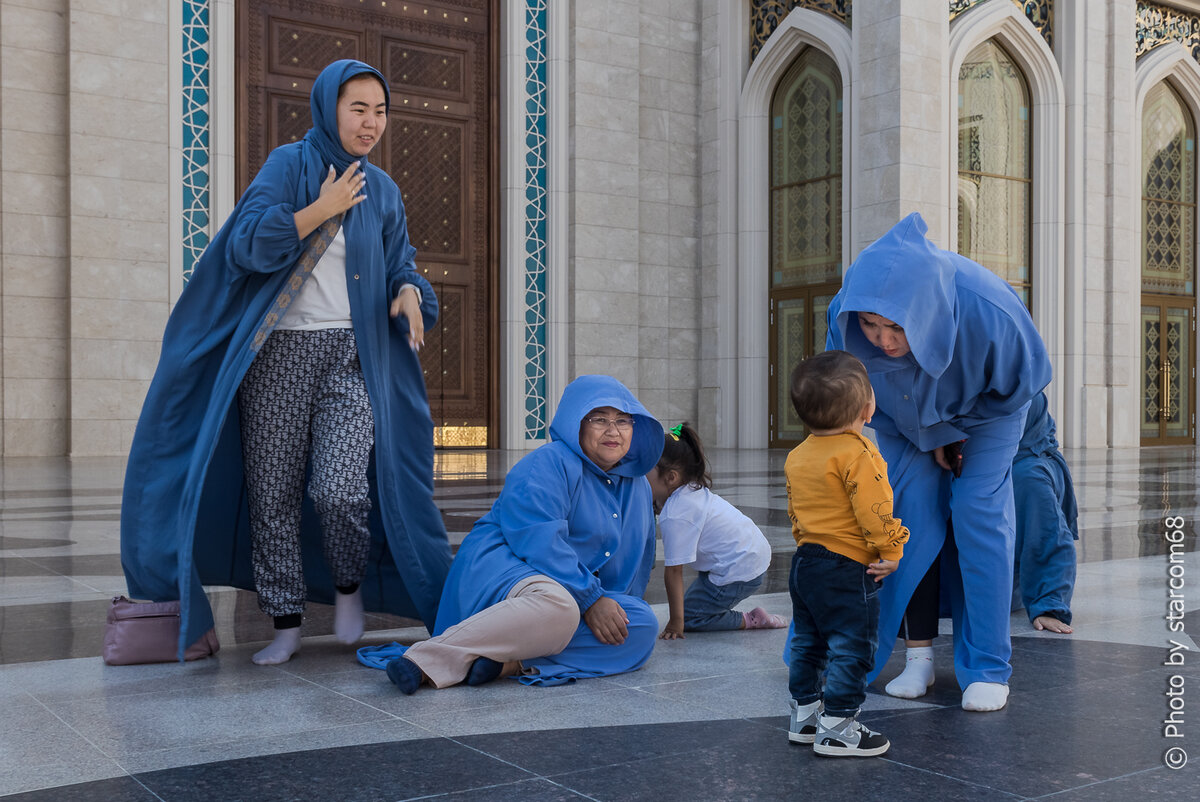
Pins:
x: 700, y: 527
x: 324, y: 300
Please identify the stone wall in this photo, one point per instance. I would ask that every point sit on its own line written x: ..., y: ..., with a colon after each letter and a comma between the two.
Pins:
x: 83, y: 200
x: 635, y: 198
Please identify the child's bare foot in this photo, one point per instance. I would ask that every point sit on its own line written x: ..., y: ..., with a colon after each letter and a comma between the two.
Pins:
x: 758, y: 618
x: 1049, y: 622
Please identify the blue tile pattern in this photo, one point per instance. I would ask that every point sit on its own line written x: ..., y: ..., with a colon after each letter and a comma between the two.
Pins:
x: 195, y: 122
x: 536, y: 173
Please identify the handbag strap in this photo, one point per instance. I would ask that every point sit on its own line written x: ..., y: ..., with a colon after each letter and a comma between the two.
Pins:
x: 304, y: 267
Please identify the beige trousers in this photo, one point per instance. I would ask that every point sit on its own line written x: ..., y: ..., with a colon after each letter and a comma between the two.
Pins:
x: 538, y: 618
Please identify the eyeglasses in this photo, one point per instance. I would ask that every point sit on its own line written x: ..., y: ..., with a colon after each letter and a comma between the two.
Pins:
x: 600, y: 423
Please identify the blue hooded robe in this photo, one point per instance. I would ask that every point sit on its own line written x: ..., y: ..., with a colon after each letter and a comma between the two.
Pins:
x: 560, y: 515
x: 975, y: 363
x: 184, y: 515
x: 1047, y: 518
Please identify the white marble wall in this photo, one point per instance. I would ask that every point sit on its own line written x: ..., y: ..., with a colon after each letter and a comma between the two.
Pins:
x: 669, y: 208
x: 635, y: 196
x: 604, y: 189
x: 1111, y: 323
x: 718, y: 225
x: 118, y: 234
x: 1099, y: 380
x: 899, y: 102
x: 34, y: 310
x: 84, y: 177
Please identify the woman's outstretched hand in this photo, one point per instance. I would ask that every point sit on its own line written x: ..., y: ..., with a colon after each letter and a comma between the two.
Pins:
x: 406, y: 303
x: 607, y: 621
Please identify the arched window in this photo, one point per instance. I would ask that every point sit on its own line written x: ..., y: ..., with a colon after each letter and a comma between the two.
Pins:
x: 994, y: 176
x: 806, y: 223
x: 1168, y: 267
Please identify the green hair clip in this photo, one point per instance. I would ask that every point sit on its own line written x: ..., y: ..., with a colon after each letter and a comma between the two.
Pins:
x: 676, y: 430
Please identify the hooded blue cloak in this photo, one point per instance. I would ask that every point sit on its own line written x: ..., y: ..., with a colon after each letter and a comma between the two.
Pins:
x: 562, y: 516
x: 975, y: 362
x: 184, y: 515
x: 1047, y: 518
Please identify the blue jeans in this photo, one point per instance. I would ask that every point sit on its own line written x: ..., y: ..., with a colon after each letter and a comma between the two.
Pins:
x: 835, y: 616
x: 708, y: 607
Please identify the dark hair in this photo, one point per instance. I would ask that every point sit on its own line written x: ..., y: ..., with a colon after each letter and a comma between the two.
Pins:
x: 685, y: 454
x: 829, y: 390
x: 355, y: 77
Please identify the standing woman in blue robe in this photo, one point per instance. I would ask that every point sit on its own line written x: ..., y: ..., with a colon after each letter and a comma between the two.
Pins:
x: 291, y: 358
x: 954, y: 358
x: 549, y: 583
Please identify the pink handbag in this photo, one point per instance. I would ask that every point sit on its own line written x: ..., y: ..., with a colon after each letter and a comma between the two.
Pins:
x: 148, y: 632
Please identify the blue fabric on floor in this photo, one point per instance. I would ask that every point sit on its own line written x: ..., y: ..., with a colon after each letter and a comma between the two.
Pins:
x: 380, y: 656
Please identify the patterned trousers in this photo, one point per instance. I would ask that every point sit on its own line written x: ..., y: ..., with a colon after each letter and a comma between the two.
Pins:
x: 304, y: 395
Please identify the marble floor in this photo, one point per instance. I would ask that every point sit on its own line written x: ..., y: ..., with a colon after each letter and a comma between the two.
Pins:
x: 705, y: 719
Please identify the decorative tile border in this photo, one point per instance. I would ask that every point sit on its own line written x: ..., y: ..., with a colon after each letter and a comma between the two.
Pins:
x: 196, y: 121
x: 536, y: 201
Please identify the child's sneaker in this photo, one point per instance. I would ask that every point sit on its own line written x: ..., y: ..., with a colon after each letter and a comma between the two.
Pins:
x: 847, y: 737
x: 803, y: 729
x: 758, y: 618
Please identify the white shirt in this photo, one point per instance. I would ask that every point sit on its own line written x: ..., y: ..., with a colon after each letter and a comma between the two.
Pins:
x: 324, y: 301
x: 700, y: 527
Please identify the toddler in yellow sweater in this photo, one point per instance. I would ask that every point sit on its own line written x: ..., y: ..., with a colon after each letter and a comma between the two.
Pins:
x: 840, y: 503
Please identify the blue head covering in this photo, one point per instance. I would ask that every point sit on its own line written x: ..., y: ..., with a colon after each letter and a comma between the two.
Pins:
x: 322, y: 144
x: 589, y: 392
x: 905, y: 278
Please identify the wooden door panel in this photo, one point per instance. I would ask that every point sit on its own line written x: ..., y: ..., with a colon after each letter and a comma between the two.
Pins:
x: 429, y: 154
x: 289, y: 116
x: 440, y: 148
x: 301, y: 50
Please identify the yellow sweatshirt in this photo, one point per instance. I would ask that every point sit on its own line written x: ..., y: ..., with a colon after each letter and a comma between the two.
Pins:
x: 839, y: 497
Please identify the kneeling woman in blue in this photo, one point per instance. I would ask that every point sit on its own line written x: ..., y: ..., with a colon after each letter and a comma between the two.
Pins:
x: 549, y: 583
x: 953, y: 357
x: 1047, y: 523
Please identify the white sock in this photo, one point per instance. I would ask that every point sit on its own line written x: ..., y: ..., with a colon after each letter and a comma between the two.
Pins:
x: 348, y: 616
x: 280, y: 650
x: 917, y: 675
x: 984, y: 697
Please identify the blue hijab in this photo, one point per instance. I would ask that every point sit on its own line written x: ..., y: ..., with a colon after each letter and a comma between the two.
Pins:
x: 975, y: 353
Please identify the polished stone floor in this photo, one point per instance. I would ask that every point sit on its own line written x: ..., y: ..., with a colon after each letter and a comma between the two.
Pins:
x: 705, y: 719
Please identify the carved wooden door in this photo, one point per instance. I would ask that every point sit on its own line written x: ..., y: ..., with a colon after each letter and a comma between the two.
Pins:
x: 439, y: 147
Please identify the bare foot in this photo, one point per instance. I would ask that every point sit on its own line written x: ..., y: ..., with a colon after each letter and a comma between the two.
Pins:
x: 1049, y: 622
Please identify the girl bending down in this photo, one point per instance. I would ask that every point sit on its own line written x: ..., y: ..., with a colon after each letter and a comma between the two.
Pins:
x: 700, y: 528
